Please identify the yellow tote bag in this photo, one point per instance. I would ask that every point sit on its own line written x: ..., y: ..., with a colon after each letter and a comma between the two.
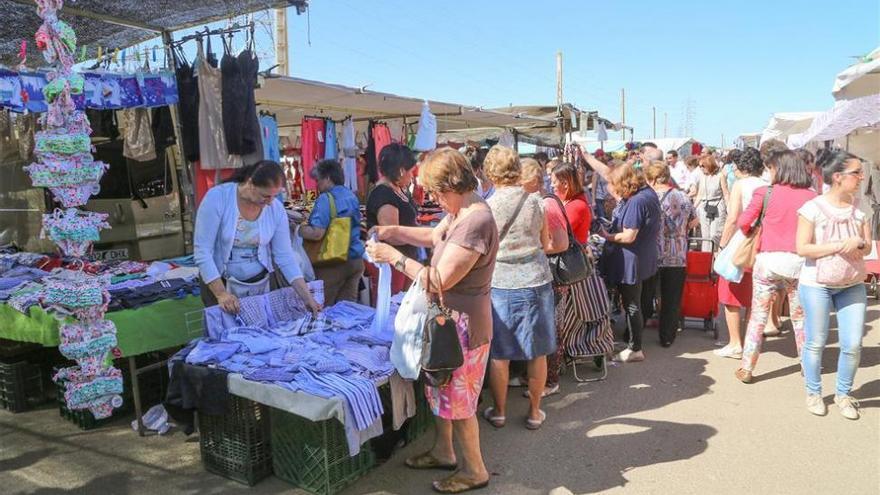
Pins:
x: 333, y: 248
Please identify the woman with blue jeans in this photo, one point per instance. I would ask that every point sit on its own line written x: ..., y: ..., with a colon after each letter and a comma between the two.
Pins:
x: 842, y: 291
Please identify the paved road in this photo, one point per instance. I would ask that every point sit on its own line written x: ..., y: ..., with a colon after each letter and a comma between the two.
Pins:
x: 677, y: 423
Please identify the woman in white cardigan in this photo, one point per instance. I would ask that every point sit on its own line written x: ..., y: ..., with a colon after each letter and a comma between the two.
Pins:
x: 240, y: 230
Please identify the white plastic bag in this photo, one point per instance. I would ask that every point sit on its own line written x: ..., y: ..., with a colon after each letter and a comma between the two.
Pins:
x: 426, y: 136
x: 305, y: 265
x: 406, y: 348
x: 723, y: 265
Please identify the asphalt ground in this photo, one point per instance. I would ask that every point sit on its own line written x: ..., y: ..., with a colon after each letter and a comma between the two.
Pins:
x: 677, y: 423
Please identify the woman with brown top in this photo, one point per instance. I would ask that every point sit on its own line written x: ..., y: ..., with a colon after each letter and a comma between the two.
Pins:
x: 465, y: 243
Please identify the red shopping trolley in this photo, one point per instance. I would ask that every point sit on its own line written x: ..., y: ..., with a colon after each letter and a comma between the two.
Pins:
x: 699, y: 299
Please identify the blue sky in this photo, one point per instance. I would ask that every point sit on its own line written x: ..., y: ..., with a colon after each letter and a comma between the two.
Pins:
x: 737, y: 61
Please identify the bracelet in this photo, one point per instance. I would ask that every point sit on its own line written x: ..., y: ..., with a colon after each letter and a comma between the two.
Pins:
x: 400, y: 264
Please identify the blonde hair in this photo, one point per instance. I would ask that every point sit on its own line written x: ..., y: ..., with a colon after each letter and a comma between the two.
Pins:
x: 658, y: 171
x: 531, y: 170
x: 625, y: 180
x: 502, y: 166
x: 447, y: 170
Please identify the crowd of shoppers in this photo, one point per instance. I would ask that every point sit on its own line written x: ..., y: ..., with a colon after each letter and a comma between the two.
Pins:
x: 505, y: 217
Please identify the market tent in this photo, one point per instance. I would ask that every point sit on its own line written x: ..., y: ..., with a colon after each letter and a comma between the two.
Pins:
x: 118, y: 23
x: 782, y: 125
x: 752, y: 139
x: 681, y: 145
x: 292, y: 98
x: 860, y: 79
x: 845, y: 117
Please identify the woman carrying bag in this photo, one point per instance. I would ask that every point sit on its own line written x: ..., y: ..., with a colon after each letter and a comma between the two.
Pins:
x: 711, y: 201
x: 335, y: 228
x: 834, y: 236
x: 464, y: 246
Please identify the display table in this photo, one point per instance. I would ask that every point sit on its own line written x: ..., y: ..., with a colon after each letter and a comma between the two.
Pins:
x: 149, y: 328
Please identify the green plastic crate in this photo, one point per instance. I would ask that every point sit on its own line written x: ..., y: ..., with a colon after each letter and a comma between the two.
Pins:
x: 237, y: 445
x: 314, y: 455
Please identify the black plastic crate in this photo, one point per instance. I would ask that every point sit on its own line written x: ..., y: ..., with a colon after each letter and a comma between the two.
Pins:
x: 237, y: 445
x: 22, y: 386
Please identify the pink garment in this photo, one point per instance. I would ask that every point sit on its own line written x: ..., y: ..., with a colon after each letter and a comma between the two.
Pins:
x: 458, y: 398
x: 382, y: 138
x: 780, y: 219
x: 312, y: 149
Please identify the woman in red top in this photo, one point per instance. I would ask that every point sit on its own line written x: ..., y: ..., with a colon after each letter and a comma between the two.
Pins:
x: 777, y: 265
x: 567, y: 186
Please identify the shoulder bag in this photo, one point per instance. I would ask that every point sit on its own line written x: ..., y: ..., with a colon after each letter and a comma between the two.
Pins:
x: 572, y: 265
x: 441, y: 352
x: 744, y: 256
x: 838, y: 270
x: 333, y: 248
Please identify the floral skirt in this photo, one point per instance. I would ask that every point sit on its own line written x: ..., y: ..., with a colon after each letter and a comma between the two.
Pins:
x: 458, y: 398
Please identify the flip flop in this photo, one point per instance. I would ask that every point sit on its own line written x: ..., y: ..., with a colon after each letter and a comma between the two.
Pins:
x: 457, y: 484
x: 496, y: 421
x: 534, y: 424
x: 428, y: 461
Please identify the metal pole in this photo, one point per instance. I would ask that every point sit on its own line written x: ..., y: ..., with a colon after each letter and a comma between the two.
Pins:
x: 188, y: 172
x: 281, y: 55
x: 654, y: 118
x: 665, y: 124
x: 623, y: 113
x: 559, y: 98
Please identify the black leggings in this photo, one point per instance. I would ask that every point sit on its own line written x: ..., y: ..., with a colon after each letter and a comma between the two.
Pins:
x: 670, y: 282
x: 631, y: 296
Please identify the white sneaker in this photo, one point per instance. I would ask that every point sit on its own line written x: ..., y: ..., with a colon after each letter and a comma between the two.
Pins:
x: 729, y: 351
x: 629, y: 356
x: 516, y: 382
x: 816, y: 405
x: 849, y: 407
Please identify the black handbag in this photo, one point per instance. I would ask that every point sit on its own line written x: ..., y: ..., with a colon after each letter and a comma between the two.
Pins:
x: 441, y: 350
x: 572, y: 265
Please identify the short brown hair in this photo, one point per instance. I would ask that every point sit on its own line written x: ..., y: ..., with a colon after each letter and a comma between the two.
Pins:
x: 447, y: 170
x: 626, y: 180
x: 711, y: 165
x: 531, y: 170
x: 502, y: 166
x: 658, y: 171
x: 692, y: 161
x: 568, y: 173
x: 769, y: 147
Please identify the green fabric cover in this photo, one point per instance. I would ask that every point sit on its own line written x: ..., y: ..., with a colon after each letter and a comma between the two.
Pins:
x: 149, y: 328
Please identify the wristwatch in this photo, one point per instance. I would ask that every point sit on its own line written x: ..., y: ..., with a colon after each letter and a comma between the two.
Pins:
x: 862, y: 244
x: 400, y: 264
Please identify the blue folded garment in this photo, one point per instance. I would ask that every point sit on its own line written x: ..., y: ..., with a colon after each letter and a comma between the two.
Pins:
x: 211, y: 352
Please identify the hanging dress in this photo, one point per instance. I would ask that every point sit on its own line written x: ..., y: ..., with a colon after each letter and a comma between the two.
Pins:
x: 212, y: 140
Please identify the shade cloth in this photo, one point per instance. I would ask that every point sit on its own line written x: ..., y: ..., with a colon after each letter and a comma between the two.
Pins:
x: 146, y: 329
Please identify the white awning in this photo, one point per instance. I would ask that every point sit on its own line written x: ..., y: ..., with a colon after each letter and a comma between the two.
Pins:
x: 292, y: 98
x: 861, y: 79
x: 782, y: 125
x: 845, y: 117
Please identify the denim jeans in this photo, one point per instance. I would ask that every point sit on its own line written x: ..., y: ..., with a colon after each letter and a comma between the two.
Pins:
x: 850, y: 304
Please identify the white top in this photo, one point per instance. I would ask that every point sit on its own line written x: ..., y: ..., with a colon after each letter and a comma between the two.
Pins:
x: 680, y: 174
x: 747, y: 188
x: 812, y: 213
x: 521, y: 262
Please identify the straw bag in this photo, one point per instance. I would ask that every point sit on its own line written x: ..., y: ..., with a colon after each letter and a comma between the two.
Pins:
x: 744, y: 256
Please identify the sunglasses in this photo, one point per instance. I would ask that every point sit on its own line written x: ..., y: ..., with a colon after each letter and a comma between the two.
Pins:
x: 857, y: 173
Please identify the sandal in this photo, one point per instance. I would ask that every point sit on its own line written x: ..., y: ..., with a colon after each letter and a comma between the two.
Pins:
x: 428, y: 461
x: 457, y: 484
x: 496, y: 421
x: 744, y: 375
x: 535, y: 424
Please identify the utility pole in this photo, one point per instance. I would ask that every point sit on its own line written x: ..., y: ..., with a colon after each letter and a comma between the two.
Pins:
x: 665, y: 124
x: 281, y: 57
x: 722, y: 140
x: 623, y: 114
x: 559, y: 99
x: 654, y: 118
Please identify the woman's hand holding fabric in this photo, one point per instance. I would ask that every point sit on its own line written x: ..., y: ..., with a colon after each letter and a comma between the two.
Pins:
x: 229, y: 303
x: 380, y: 252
